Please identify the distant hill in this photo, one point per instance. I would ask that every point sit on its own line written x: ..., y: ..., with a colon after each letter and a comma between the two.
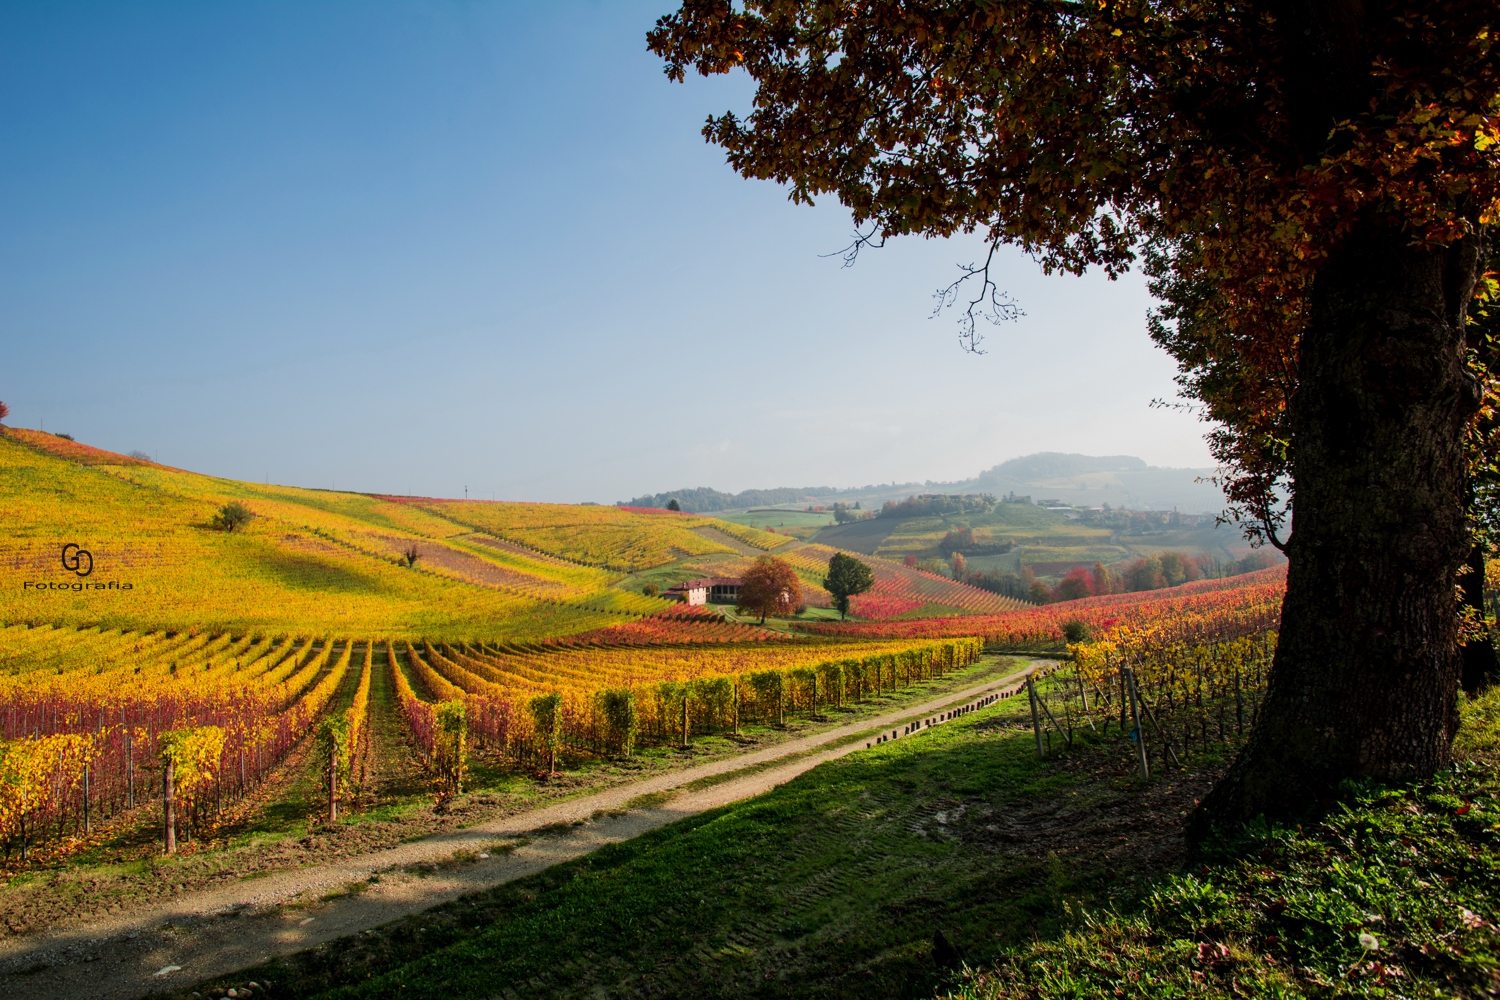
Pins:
x: 702, y: 499
x: 1092, y: 481
x: 1083, y: 480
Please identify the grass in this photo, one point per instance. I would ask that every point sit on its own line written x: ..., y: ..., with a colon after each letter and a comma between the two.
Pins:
x: 1396, y: 893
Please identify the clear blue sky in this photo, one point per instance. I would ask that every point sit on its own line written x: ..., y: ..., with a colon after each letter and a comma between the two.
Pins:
x: 418, y: 247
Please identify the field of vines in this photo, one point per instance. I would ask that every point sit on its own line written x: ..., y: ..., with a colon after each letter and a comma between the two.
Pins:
x: 93, y: 721
x: 1253, y: 598
x: 625, y: 539
x: 308, y: 561
x: 1191, y: 677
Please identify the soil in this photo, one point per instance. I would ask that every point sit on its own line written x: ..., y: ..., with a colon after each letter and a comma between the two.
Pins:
x: 210, y: 914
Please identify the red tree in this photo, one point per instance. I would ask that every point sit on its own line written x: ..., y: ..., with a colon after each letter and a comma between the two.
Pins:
x: 770, y: 587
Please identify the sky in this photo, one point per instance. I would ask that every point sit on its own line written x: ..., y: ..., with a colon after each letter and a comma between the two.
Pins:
x: 427, y: 248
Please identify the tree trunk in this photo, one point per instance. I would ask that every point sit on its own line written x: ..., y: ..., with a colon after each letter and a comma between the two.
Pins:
x: 1366, y: 671
x: 1479, y: 656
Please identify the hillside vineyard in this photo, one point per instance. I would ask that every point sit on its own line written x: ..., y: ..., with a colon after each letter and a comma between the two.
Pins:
x: 216, y: 660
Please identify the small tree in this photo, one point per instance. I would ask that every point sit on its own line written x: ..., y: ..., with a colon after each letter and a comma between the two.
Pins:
x: 960, y: 566
x: 651, y: 590
x: 4, y: 411
x: 847, y: 576
x: 232, y: 516
x: 672, y: 504
x: 411, y: 555
x: 769, y: 587
x: 140, y: 456
x: 1073, y: 587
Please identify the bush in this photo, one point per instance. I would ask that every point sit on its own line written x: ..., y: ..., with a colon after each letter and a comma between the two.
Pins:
x: 411, y: 555
x: 232, y: 516
x: 1075, y: 631
x: 140, y: 456
x: 651, y: 590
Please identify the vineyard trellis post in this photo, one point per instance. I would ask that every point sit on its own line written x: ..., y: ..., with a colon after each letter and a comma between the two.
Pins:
x: 169, y: 807
x: 129, y: 769
x: 87, y: 826
x: 1036, y: 722
x: 1127, y: 681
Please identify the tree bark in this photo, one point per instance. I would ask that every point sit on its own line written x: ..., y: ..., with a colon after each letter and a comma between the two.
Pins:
x: 1366, y: 672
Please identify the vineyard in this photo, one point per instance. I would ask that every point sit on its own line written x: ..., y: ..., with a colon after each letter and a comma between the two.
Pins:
x: 626, y: 539
x: 309, y: 561
x: 95, y: 720
x: 1254, y: 598
x: 187, y: 669
x: 1191, y: 677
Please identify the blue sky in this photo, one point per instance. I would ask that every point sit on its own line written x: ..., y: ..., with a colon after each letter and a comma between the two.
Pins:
x: 418, y: 247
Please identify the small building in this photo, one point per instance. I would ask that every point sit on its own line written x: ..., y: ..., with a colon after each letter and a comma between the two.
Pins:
x: 709, y: 590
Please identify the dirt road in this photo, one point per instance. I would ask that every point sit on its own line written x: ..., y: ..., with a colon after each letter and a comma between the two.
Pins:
x: 215, y: 932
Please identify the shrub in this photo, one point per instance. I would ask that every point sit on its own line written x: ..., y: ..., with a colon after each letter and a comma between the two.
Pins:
x: 411, y: 555
x: 651, y: 590
x: 1074, y: 631
x: 140, y: 456
x: 232, y: 516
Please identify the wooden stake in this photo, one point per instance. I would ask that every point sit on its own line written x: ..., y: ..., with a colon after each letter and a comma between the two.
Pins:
x: 169, y: 807
x: 1036, y: 722
x: 1127, y: 679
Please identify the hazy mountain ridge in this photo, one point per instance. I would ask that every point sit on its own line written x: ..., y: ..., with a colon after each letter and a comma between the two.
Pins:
x: 1082, y: 480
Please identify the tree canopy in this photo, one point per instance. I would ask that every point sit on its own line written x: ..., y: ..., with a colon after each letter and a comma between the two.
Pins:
x: 847, y: 576
x: 770, y: 587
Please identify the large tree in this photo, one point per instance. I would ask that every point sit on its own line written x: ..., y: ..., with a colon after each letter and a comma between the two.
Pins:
x: 847, y: 577
x: 770, y: 587
x: 1308, y: 184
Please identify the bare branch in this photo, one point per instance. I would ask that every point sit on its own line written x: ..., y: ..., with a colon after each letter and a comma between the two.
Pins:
x: 850, y: 253
x: 991, y: 303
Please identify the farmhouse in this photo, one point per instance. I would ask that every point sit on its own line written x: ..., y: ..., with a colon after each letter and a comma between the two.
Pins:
x: 709, y: 590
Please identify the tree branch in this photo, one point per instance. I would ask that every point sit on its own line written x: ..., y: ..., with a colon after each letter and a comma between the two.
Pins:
x: 991, y: 303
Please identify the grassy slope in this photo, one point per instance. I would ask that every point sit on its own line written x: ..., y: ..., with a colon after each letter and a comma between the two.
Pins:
x: 310, y: 562
x: 1395, y: 894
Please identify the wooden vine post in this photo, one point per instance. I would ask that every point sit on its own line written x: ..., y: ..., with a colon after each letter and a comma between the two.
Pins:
x: 169, y: 805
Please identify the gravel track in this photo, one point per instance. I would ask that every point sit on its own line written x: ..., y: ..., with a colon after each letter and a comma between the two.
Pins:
x: 214, y: 932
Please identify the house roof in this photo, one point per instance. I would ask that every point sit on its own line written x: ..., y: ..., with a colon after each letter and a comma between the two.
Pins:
x: 708, y: 581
